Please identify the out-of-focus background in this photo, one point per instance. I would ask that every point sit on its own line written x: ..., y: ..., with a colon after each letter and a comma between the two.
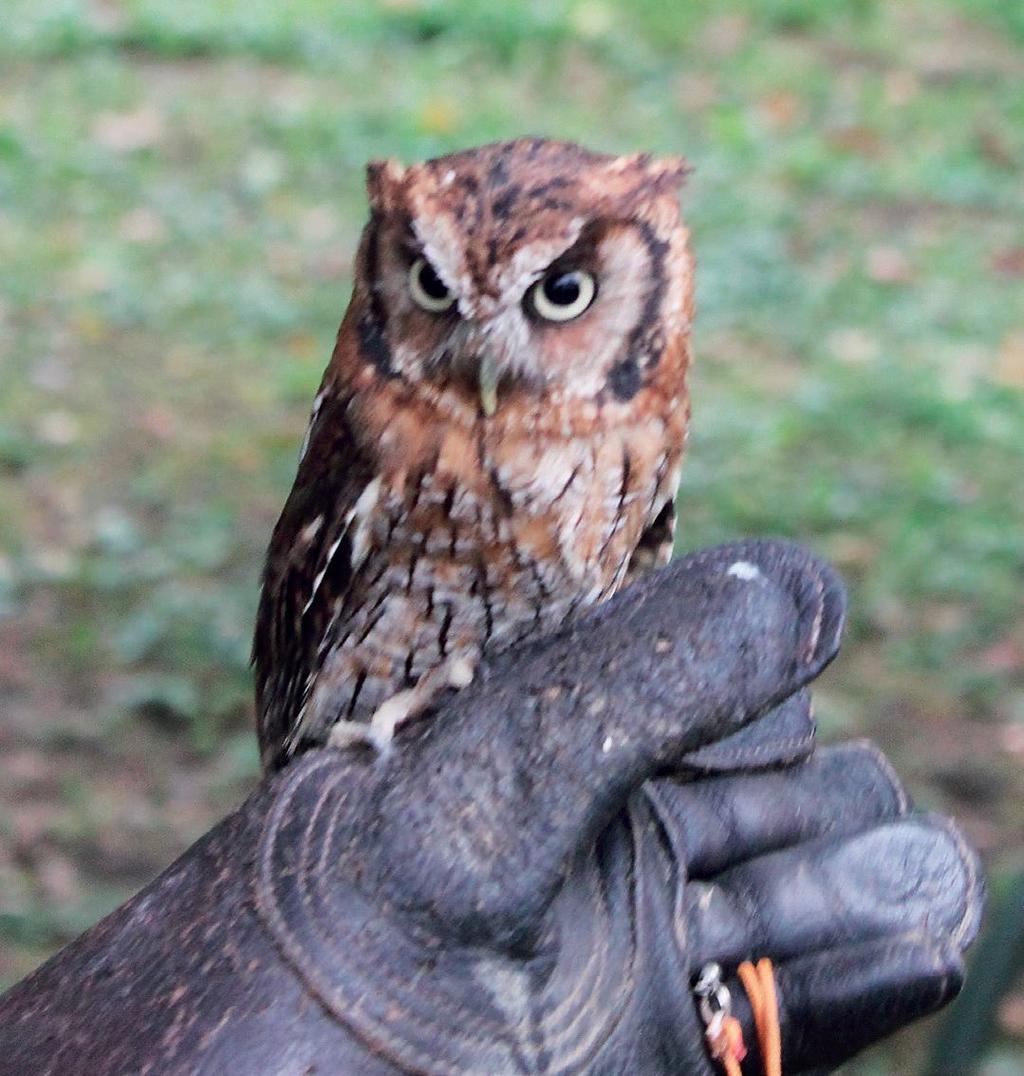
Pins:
x: 180, y: 198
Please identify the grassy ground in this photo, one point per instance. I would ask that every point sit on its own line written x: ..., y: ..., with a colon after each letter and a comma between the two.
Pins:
x: 180, y: 193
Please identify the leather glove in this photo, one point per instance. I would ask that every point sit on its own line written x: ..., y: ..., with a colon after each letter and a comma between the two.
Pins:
x: 520, y: 886
x: 864, y: 905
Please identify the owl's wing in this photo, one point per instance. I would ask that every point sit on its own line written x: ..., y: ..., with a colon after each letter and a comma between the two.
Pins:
x: 308, y: 572
x: 654, y: 550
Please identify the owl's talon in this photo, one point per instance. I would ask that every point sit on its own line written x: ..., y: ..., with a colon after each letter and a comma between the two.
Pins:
x: 345, y: 734
x: 459, y: 672
x: 402, y: 707
x: 379, y: 731
x: 390, y: 715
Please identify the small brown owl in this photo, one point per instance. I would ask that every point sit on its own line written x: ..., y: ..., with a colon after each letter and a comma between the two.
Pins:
x: 496, y: 441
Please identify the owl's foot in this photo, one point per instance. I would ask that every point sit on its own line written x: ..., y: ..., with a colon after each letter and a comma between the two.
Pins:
x: 402, y: 707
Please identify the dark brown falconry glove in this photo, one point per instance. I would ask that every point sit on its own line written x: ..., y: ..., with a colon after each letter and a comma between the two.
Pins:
x: 531, y: 881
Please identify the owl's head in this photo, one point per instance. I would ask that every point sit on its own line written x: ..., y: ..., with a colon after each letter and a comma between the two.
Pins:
x: 531, y: 267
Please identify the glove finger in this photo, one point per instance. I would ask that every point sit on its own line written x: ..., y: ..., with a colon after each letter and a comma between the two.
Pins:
x: 906, y: 876
x: 780, y: 737
x: 834, y: 1004
x: 717, y: 823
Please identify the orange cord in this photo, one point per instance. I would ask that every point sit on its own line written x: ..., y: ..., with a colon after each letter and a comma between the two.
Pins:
x: 759, y: 983
x: 728, y: 1048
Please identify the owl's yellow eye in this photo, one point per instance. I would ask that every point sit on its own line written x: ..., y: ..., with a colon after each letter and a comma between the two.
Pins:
x: 427, y: 288
x: 562, y: 296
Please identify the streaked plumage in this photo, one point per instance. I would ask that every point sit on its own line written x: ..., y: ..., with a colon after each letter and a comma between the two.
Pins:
x: 474, y: 475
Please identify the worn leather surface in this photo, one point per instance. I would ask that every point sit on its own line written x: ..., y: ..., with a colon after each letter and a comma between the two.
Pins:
x: 785, y: 734
x: 529, y: 881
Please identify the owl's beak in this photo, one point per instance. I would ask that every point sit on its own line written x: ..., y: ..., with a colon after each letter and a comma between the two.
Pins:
x: 489, y: 377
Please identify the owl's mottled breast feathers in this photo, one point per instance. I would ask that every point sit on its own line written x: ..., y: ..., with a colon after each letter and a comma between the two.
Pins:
x: 474, y: 474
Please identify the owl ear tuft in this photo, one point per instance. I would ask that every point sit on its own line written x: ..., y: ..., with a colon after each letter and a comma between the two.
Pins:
x: 667, y: 174
x: 384, y: 182
x: 640, y: 174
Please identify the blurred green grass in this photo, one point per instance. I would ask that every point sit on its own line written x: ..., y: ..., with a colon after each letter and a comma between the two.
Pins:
x: 180, y: 195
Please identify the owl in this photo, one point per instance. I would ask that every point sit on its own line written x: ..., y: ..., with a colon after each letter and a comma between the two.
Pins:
x: 496, y: 442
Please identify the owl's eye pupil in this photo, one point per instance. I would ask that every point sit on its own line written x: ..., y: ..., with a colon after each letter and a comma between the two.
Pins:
x: 562, y: 290
x: 428, y: 289
x: 431, y: 283
x: 562, y: 296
